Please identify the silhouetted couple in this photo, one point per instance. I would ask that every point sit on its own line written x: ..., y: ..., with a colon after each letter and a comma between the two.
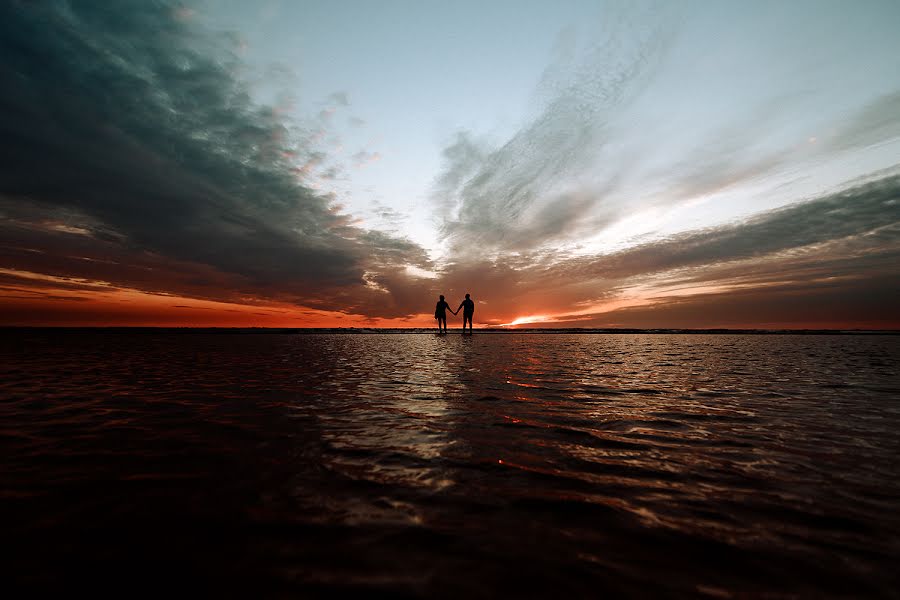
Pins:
x: 440, y: 313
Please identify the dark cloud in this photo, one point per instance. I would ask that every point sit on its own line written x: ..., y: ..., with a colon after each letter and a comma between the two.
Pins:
x: 865, y: 304
x: 866, y: 209
x: 125, y: 120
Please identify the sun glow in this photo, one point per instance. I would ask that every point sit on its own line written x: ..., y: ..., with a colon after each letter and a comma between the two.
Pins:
x: 528, y: 320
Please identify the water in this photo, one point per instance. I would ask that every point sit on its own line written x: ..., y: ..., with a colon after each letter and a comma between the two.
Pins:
x: 514, y: 464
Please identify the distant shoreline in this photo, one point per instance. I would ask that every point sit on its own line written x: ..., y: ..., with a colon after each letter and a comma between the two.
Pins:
x: 432, y: 331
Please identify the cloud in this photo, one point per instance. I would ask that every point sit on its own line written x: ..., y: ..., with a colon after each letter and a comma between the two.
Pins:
x: 838, y: 251
x: 339, y: 99
x: 129, y: 123
x: 668, y: 108
x: 876, y: 122
x: 529, y: 189
x: 365, y: 157
x: 858, y: 210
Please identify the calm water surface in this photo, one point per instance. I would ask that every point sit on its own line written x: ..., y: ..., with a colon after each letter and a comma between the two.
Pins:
x: 538, y: 465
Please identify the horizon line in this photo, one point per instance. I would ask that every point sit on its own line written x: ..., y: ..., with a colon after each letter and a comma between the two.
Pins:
x: 486, y: 330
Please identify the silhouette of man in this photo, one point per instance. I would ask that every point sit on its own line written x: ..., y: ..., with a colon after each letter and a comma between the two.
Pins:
x: 440, y: 313
x: 468, y: 310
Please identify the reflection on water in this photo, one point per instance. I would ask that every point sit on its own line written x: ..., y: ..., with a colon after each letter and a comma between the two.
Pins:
x: 417, y: 464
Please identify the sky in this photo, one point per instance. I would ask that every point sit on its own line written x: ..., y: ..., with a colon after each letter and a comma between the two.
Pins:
x: 691, y: 164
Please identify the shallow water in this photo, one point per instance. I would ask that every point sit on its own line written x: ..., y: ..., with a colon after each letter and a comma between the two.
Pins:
x: 529, y: 464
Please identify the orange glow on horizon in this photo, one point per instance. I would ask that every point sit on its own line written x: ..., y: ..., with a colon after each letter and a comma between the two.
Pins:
x: 38, y: 305
x: 35, y: 299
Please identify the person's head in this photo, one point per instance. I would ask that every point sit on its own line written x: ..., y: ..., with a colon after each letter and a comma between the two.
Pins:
x: 442, y: 297
x: 467, y: 296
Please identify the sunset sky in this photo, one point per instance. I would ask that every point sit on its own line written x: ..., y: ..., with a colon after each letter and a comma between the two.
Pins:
x: 341, y: 163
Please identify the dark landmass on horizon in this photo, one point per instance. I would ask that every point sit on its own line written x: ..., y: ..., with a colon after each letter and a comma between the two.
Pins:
x: 431, y: 330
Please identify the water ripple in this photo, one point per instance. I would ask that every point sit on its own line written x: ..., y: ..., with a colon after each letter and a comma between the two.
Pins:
x: 421, y: 465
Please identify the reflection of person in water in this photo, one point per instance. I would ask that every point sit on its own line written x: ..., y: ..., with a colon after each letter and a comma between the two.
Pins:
x: 440, y: 313
x: 468, y: 310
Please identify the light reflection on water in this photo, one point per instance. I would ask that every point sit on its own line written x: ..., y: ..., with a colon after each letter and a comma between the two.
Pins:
x: 632, y: 464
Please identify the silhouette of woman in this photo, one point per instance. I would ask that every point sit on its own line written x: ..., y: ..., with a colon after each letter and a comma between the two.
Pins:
x: 440, y: 313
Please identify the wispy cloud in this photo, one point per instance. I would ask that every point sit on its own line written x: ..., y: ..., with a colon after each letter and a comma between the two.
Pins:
x: 532, y: 188
x: 671, y: 107
x: 365, y: 157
